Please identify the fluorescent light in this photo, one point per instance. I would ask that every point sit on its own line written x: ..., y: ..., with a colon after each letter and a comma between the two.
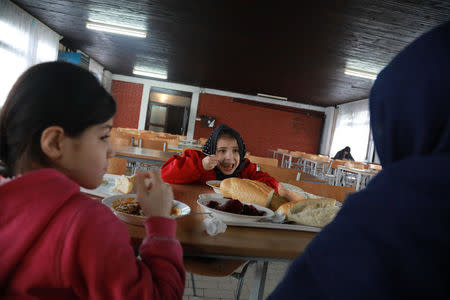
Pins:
x: 271, y: 96
x: 360, y: 73
x: 116, y: 29
x: 150, y: 74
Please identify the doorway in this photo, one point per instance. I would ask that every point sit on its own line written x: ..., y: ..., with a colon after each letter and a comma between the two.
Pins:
x: 168, y: 111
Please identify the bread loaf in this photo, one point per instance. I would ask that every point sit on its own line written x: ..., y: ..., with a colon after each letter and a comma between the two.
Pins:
x: 246, y: 190
x: 277, y: 201
x: 312, y: 212
x: 124, y: 184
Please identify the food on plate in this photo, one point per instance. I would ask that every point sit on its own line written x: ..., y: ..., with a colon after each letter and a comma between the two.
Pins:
x: 278, y: 200
x: 215, y: 184
x: 313, y: 212
x: 104, y: 181
x: 246, y: 190
x: 124, y: 184
x: 236, y: 207
x: 130, y: 206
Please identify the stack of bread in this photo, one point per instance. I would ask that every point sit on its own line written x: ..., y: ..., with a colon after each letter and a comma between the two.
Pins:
x: 313, y: 212
x: 125, y: 184
x: 246, y: 190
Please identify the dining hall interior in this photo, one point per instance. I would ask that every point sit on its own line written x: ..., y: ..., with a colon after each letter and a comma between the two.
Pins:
x: 293, y: 78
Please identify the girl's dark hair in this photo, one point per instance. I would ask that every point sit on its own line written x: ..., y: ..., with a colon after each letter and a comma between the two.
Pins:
x: 49, y: 94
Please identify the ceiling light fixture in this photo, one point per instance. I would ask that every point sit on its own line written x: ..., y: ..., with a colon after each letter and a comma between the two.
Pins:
x: 149, y: 74
x: 116, y: 29
x: 271, y: 96
x: 360, y: 73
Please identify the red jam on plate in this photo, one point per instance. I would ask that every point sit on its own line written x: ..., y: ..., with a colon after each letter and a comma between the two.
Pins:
x: 236, y: 207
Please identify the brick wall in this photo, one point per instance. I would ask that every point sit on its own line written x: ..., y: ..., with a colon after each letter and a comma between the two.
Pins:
x: 263, y: 128
x: 128, y: 97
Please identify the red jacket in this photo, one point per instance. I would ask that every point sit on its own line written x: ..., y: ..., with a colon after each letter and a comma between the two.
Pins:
x: 57, y: 243
x: 188, y: 168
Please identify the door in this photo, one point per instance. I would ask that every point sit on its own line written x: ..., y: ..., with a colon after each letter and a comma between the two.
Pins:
x: 158, y: 117
x: 175, y: 120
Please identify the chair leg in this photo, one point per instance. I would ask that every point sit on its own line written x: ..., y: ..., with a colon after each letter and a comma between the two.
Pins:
x: 193, y: 284
x: 240, y: 277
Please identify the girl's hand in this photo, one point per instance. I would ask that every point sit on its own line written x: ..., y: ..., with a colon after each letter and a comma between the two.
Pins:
x: 155, y: 198
x: 209, y: 162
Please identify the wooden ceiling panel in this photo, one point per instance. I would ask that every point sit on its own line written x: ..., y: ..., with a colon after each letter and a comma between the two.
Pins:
x: 285, y: 48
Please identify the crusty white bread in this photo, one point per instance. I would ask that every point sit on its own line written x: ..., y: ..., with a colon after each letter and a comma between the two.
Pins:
x: 246, y: 190
x: 313, y: 212
x: 277, y: 201
x: 124, y: 184
x: 286, y: 207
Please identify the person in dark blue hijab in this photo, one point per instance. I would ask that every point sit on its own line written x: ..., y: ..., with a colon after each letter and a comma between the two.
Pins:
x: 344, y: 154
x: 392, y: 239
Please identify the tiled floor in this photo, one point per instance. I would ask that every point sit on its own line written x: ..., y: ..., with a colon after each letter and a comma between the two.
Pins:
x: 223, y: 288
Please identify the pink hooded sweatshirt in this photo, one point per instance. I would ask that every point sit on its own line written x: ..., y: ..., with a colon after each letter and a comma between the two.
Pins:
x: 57, y: 243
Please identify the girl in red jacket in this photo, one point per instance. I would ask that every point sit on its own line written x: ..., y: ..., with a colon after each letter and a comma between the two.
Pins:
x: 55, y: 242
x: 222, y: 156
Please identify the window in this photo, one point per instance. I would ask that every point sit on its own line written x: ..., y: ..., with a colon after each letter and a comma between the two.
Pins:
x: 23, y: 42
x: 352, y: 129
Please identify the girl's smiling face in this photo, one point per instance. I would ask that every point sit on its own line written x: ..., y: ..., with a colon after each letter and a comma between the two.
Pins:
x: 227, y: 153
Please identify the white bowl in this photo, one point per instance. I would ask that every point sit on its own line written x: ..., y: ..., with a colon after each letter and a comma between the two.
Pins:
x: 212, y: 184
x: 140, y: 220
x: 230, y: 217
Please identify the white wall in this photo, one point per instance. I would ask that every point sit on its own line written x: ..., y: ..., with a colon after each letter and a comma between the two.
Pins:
x: 325, y: 142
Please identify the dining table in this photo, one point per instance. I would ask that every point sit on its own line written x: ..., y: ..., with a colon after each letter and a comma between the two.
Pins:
x: 363, y: 176
x: 237, y: 242
x: 143, y: 155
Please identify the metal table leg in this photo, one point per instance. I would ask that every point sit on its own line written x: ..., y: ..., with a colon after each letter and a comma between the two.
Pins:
x: 257, y: 291
x: 358, y: 181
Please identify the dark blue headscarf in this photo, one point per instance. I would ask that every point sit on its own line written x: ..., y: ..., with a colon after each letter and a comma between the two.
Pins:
x: 409, y: 102
x: 392, y: 239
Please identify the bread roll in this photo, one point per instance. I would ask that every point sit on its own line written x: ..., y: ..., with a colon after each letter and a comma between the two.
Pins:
x: 311, y: 212
x: 246, y: 190
x: 124, y: 184
x: 277, y: 201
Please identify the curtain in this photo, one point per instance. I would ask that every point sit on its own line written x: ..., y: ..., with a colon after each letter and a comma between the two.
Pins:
x: 96, y: 69
x: 24, y: 42
x: 352, y: 129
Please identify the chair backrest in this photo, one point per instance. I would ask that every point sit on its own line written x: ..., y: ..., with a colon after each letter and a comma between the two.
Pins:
x: 263, y: 160
x: 117, y: 165
x: 281, y: 174
x: 190, y: 148
x: 375, y: 167
x: 337, y: 162
x: 283, y: 150
x: 120, y: 140
x: 321, y: 158
x: 356, y: 165
x: 147, y: 135
x: 297, y: 153
x: 330, y: 191
x: 153, y: 144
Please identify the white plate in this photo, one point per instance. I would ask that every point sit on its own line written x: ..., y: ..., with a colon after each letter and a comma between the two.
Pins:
x: 211, y: 196
x: 139, y: 220
x: 105, y: 189
x: 230, y: 217
x: 211, y: 184
x: 307, y: 195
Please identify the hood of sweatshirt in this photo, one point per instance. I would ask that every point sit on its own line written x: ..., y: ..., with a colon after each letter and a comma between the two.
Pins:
x: 410, y: 100
x: 28, y: 204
